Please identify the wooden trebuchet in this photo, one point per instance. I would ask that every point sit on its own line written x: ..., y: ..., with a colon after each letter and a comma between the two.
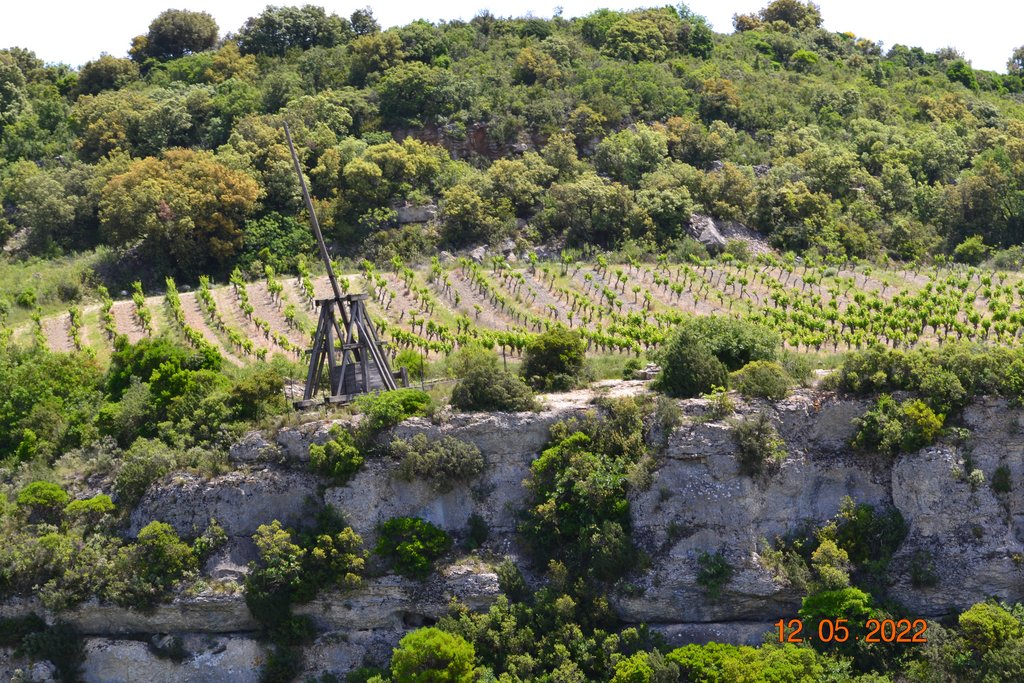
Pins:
x: 346, y: 340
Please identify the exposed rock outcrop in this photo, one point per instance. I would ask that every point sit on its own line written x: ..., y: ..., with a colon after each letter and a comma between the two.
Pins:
x: 240, y: 501
x: 697, y: 502
x: 205, y: 658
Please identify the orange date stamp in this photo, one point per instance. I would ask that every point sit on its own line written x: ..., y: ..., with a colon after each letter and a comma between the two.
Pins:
x: 838, y: 631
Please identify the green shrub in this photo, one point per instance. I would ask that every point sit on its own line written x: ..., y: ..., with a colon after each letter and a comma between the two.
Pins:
x: 153, y: 355
x: 153, y: 564
x: 630, y: 368
x: 133, y: 416
x: 443, y: 463
x: 339, y: 458
x: 714, y: 571
x: 43, y: 499
x: 212, y: 538
x: 1001, y: 481
x: 720, y: 404
x: 282, y: 664
x: 89, y: 511
x: 870, y: 536
x: 760, y: 448
x: 511, y: 581
x: 945, y: 378
x: 922, y: 570
x: 257, y: 392
x: 688, y: 368
x: 799, y: 366
x: 733, y: 341
x: 430, y: 655
x: 26, y: 298
x: 635, y: 669
x: 412, y: 545
x: 477, y: 531
x: 579, y: 506
x: 328, y: 555
x: 412, y: 361
x: 270, y: 585
x: 364, y: 674
x: 334, y: 558
x: 892, y: 427
x: 388, y: 408
x: 484, y: 386
x: 722, y: 662
x: 761, y: 379
x: 849, y: 603
x: 988, y: 625
x: 14, y: 629
x: 60, y: 645
x: 144, y: 463
x: 972, y: 250
x: 555, y: 359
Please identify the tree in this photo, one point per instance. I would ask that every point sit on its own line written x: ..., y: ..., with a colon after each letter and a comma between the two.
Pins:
x: 279, y: 29
x: 987, y: 625
x: 44, y: 499
x: 629, y: 154
x: 186, y: 205
x: 413, y: 93
x: 555, y: 360
x: 373, y: 54
x: 1015, y: 65
x: 106, y: 73
x: 12, y: 90
x: 175, y: 33
x: 469, y: 217
x: 430, y: 655
x: 363, y: 22
x: 635, y: 39
x: 799, y: 15
x: 591, y: 210
x: 961, y: 72
x: 972, y: 250
x: 43, y: 206
x: 689, y: 367
x: 484, y: 386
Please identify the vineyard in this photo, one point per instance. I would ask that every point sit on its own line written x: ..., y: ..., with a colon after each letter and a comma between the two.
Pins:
x: 625, y: 308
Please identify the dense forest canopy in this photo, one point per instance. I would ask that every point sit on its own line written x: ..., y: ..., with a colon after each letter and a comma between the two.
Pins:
x: 599, y: 129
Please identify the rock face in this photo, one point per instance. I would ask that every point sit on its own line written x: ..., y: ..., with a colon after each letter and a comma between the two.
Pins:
x: 415, y: 214
x: 714, y: 233
x: 226, y: 614
x: 698, y: 502
x: 375, y: 494
x: 206, y: 658
x: 240, y: 501
x: 703, y: 229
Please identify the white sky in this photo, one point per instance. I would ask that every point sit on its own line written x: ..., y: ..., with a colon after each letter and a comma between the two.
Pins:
x: 75, y: 31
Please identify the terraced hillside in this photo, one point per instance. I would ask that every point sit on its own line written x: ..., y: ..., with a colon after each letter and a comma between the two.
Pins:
x: 619, y: 307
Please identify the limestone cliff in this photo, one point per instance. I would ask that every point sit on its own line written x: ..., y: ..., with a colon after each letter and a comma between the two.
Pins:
x: 697, y: 501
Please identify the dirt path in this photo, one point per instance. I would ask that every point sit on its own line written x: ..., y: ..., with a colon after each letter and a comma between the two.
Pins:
x: 57, y: 331
x: 126, y: 322
x: 196, y: 319
x: 265, y: 308
x: 489, y: 316
x: 231, y: 312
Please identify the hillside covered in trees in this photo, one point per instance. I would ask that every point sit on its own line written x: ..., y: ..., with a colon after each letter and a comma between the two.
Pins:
x: 595, y: 130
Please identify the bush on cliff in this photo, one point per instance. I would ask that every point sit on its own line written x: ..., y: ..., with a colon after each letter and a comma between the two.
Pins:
x: 891, y: 427
x: 411, y: 545
x: 484, y: 386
